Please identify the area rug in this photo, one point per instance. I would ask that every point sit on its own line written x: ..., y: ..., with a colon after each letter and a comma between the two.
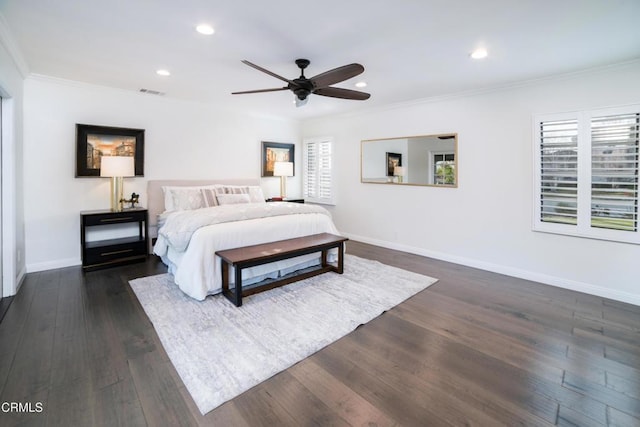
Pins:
x: 221, y: 351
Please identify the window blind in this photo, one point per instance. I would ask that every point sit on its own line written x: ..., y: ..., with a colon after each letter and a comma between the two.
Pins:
x: 559, y: 171
x: 614, y: 171
x: 317, y: 181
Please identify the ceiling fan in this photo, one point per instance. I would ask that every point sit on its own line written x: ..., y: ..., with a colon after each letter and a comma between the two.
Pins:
x: 302, y: 87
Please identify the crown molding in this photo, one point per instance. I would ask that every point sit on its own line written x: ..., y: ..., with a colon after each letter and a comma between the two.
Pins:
x: 163, y: 99
x: 7, y: 40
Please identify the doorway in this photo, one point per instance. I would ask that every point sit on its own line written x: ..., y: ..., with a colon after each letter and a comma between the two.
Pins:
x: 1, y: 211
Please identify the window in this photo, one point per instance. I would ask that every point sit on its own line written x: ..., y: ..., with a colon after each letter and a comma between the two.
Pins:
x: 317, y: 176
x: 587, y: 173
x: 559, y: 171
x: 444, y: 169
x: 614, y: 172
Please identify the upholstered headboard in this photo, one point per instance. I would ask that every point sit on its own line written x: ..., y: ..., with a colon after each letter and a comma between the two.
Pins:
x: 155, y: 195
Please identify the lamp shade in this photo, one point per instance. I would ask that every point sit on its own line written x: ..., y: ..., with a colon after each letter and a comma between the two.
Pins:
x: 119, y: 166
x: 399, y: 171
x: 283, y: 169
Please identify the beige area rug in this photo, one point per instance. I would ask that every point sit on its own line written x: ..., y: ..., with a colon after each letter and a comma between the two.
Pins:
x: 221, y: 351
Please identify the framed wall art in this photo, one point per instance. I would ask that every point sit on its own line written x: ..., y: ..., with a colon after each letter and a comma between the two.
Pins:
x: 276, y: 152
x: 393, y: 160
x: 93, y: 142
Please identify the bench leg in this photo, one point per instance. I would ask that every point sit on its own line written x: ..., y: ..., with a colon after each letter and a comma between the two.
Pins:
x: 234, y: 296
x: 225, y: 276
x: 238, y: 291
x: 341, y: 258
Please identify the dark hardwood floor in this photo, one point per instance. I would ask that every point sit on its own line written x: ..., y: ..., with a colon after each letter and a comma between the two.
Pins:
x: 476, y: 348
x: 4, y: 306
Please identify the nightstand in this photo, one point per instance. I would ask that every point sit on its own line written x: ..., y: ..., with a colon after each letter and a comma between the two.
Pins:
x: 287, y: 200
x: 117, y: 251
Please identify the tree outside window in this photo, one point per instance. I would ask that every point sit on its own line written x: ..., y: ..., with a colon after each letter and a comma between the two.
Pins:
x: 444, y: 172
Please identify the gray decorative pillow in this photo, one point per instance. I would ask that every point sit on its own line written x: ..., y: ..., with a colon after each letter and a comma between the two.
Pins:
x: 209, y: 195
x: 254, y: 191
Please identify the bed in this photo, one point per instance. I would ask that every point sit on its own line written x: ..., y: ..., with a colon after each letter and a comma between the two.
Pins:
x: 208, y: 216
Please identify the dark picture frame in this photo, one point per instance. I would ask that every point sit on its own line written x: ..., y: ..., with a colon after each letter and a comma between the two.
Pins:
x: 92, y: 142
x: 276, y: 152
x: 393, y: 160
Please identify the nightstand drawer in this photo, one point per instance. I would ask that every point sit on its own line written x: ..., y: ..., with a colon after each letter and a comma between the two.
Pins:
x: 114, y: 218
x: 116, y: 250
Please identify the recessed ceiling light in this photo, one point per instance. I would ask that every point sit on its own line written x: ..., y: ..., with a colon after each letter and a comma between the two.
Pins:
x: 205, y: 29
x: 361, y: 84
x: 479, y: 53
x: 164, y: 73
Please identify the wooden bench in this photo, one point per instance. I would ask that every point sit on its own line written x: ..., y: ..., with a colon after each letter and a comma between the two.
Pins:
x: 250, y: 256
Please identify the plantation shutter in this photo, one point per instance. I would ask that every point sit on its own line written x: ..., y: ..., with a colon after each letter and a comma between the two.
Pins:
x: 614, y: 171
x: 559, y: 171
x: 310, y: 178
x: 317, y: 181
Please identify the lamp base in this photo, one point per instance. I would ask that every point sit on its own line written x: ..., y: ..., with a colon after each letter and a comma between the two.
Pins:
x: 283, y: 187
x: 116, y: 193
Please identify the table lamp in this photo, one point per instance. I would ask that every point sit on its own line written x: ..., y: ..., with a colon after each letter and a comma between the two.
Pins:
x: 283, y: 170
x: 117, y: 167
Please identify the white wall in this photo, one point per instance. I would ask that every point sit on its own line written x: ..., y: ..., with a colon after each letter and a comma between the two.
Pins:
x: 11, y: 89
x: 487, y: 221
x: 183, y: 140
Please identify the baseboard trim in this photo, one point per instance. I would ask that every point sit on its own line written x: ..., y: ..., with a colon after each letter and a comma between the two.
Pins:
x: 20, y: 279
x: 546, y: 279
x: 51, y: 265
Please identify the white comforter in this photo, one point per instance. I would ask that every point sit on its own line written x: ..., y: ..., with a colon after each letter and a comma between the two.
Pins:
x: 188, y: 240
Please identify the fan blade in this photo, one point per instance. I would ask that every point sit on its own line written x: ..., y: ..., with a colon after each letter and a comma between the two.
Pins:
x: 259, y: 68
x: 336, y: 75
x: 260, y: 90
x: 338, y: 92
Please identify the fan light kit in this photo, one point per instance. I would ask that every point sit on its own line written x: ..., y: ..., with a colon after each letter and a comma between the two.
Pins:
x: 205, y: 29
x: 302, y: 87
x: 479, y: 53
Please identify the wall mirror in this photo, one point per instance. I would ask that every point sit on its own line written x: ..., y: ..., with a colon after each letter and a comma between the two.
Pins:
x: 411, y: 160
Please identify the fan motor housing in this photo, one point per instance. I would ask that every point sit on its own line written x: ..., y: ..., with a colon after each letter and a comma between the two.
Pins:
x: 302, y: 87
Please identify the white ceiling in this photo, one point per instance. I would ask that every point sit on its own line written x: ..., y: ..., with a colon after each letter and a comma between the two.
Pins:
x: 411, y: 49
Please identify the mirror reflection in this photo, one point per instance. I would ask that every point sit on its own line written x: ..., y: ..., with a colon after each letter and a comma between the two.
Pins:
x: 415, y: 160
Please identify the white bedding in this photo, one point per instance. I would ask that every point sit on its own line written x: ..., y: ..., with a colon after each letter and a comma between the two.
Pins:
x: 197, y: 272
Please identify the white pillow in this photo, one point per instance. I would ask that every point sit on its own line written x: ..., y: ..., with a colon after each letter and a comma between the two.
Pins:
x: 233, y: 199
x: 168, y: 198
x: 184, y: 198
x: 187, y: 199
x: 256, y: 195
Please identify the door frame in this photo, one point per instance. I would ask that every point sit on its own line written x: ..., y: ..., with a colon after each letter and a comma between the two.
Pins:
x: 8, y: 206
